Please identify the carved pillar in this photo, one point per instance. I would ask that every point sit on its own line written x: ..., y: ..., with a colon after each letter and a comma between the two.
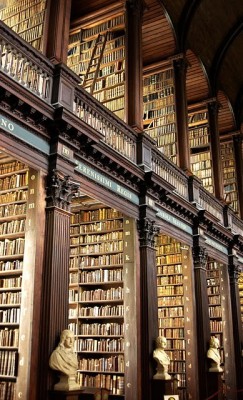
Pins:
x: 54, y: 317
x: 203, y: 326
x: 134, y: 74
x: 238, y: 151
x: 180, y: 67
x: 148, y: 303
x: 215, y: 149
x: 58, y: 30
x: 233, y: 270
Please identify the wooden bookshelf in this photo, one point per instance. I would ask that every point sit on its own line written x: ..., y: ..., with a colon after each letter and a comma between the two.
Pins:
x: 97, y: 54
x: 229, y: 174
x: 13, y: 208
x: 240, y: 283
x: 96, y: 298
x: 174, y: 311
x: 159, y: 119
x: 199, y: 139
x: 215, y: 301
x: 26, y: 17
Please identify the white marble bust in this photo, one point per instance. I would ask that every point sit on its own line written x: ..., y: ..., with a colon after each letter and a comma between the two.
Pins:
x: 213, y: 355
x: 64, y: 360
x: 162, y: 359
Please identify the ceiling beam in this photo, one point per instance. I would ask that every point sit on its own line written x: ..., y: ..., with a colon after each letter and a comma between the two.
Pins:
x: 185, y: 20
x: 222, y: 50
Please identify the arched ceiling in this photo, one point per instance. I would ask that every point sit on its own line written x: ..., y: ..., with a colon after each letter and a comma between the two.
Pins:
x: 209, y: 31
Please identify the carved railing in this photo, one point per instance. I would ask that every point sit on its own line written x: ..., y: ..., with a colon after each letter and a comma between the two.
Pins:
x: 115, y: 132
x: 170, y: 173
x: 24, y: 64
x: 235, y: 223
x: 209, y: 203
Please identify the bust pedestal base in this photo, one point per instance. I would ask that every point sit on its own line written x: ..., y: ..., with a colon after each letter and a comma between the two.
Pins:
x: 215, y: 385
x: 162, y: 387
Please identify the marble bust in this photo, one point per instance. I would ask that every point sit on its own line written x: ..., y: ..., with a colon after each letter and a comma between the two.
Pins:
x: 213, y: 355
x: 162, y: 359
x: 64, y: 360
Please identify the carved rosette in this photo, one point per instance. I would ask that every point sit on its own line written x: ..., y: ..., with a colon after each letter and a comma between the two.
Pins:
x: 147, y: 232
x: 60, y: 190
x: 200, y: 257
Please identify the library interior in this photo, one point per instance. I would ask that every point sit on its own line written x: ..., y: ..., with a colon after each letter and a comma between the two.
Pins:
x: 121, y: 200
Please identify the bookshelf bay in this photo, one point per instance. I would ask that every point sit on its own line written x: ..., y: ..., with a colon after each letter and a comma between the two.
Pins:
x: 96, y: 297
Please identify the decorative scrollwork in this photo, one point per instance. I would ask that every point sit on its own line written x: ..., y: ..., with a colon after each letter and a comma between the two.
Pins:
x: 200, y: 257
x: 147, y: 232
x: 60, y: 191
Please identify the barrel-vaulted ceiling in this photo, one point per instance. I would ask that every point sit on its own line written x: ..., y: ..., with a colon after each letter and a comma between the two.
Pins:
x: 211, y: 34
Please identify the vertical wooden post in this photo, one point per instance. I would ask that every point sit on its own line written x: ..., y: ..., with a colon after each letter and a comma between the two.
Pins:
x: 215, y: 149
x: 54, y: 316
x: 148, y: 303
x: 236, y: 320
x: 238, y: 151
x: 56, y: 43
x: 203, y: 327
x: 134, y: 77
x: 180, y: 67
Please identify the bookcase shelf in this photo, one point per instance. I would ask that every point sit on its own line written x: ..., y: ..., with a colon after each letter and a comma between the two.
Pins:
x: 14, y: 177
x: 240, y: 284
x: 159, y: 118
x: 229, y: 174
x: 96, y: 310
x: 214, y: 299
x: 96, y: 53
x: 27, y: 19
x: 173, y: 281
x: 199, y: 139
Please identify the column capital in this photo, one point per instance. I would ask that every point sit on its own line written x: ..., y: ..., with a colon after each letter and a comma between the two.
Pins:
x: 200, y: 257
x: 234, y: 270
x: 60, y: 190
x: 137, y: 7
x: 147, y: 231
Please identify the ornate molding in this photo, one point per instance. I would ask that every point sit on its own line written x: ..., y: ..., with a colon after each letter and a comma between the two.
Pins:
x: 200, y: 257
x: 60, y: 191
x: 147, y: 232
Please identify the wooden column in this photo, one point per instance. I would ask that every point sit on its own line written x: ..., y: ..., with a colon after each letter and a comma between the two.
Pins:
x: 238, y: 151
x: 134, y: 77
x: 236, y: 320
x: 180, y: 67
x: 203, y: 326
x: 54, y: 317
x: 148, y: 303
x: 56, y: 43
x: 215, y: 149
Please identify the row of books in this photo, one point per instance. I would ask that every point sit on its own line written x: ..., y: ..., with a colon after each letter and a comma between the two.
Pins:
x: 12, y: 166
x: 108, y: 25
x: 101, y: 275
x: 8, y: 361
x: 100, y: 345
x: 171, y: 312
x: 168, y: 248
x: 169, y: 259
x: 104, y: 260
x: 113, y: 383
x: 9, y: 210
x: 174, y: 322
x: 170, y: 301
x: 170, y: 290
x: 168, y: 269
x: 100, y: 329
x: 11, y: 247
x: 95, y: 215
x: 11, y: 265
x: 14, y: 181
x: 7, y: 283
x: 169, y: 280
x: 114, y: 293
x: 215, y: 312
x: 10, y: 197
x: 7, y: 390
x: 107, y: 247
x: 14, y: 226
x: 9, y: 337
x: 99, y: 311
x: 113, y: 363
x: 10, y: 316
x: 10, y: 298
x: 94, y: 238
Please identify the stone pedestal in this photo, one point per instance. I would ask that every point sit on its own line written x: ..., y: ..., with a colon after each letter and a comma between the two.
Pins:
x: 215, y: 385
x: 163, y: 387
x: 66, y: 383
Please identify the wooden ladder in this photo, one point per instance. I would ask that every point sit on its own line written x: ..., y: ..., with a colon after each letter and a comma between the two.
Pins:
x: 94, y: 63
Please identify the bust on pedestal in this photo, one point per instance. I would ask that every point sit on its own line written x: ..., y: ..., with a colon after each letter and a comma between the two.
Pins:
x: 213, y: 355
x: 162, y: 359
x: 64, y: 360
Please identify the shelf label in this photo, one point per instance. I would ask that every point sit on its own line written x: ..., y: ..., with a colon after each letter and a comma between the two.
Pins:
x: 106, y: 182
x: 26, y: 136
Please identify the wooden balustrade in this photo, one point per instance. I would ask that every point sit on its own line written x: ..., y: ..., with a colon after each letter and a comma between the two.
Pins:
x: 115, y: 132
x: 24, y: 64
x: 170, y: 173
x: 209, y: 203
